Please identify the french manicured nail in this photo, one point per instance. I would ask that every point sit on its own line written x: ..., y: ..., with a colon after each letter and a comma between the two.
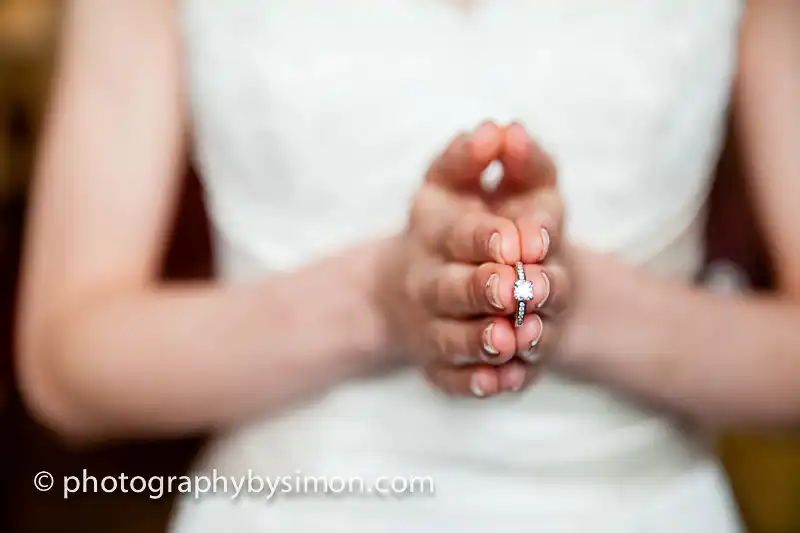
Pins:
x: 531, y: 355
x: 475, y: 386
x: 514, y: 377
x: 546, y: 279
x: 518, y: 382
x: 545, y: 242
x: 495, y: 246
x: 488, y: 347
x: 493, y: 291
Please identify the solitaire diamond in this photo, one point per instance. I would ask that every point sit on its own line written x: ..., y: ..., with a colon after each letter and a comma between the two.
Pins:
x: 523, y: 290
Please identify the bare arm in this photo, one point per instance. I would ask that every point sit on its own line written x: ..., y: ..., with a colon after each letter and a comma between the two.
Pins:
x: 104, y: 350
x: 726, y: 360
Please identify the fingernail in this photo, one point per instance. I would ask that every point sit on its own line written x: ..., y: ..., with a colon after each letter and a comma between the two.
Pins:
x: 515, y: 378
x: 495, y: 247
x: 488, y: 347
x: 545, y: 242
x: 546, y: 279
x: 483, y: 127
x: 517, y: 384
x: 475, y: 386
x: 493, y: 291
x: 531, y: 355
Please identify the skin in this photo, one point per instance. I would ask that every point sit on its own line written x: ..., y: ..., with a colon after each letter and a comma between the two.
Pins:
x: 456, y: 262
x: 732, y: 361
x: 101, y: 341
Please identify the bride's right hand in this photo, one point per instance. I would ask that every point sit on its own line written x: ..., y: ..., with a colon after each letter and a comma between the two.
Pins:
x: 447, y: 290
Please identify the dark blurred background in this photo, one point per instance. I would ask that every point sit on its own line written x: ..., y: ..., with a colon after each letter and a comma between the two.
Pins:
x: 765, y: 470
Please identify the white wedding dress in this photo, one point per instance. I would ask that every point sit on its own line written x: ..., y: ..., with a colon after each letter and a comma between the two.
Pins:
x: 314, y: 121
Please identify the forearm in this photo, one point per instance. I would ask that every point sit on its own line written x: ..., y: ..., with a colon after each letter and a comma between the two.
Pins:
x: 728, y: 360
x: 732, y: 360
x: 177, y: 359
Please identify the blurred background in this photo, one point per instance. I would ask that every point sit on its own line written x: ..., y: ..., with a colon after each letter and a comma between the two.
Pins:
x: 765, y: 470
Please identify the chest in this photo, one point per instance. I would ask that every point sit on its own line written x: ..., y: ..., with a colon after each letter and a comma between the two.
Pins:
x: 341, y: 104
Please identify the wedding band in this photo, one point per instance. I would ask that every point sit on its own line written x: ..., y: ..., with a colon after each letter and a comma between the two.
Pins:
x: 523, y: 292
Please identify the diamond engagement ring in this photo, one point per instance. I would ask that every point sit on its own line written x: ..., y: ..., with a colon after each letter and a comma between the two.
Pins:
x: 523, y: 292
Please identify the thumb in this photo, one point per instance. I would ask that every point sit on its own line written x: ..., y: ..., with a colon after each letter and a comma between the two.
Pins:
x: 460, y: 165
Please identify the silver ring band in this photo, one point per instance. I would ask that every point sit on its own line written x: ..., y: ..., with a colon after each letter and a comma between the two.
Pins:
x: 523, y: 293
x: 520, y: 313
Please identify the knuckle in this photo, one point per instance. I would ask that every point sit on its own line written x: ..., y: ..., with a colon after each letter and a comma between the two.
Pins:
x: 480, y: 240
x: 445, y: 240
x: 432, y: 296
x: 420, y: 296
x: 470, y: 227
x: 419, y: 291
x: 475, y: 298
x: 465, y: 339
x: 438, y: 339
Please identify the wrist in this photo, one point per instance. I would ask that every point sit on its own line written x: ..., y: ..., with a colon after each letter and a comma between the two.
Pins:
x: 345, y: 334
x: 616, y: 317
x: 375, y: 346
x: 378, y: 282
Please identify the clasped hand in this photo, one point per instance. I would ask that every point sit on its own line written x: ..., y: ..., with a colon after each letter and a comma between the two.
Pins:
x: 452, y: 303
